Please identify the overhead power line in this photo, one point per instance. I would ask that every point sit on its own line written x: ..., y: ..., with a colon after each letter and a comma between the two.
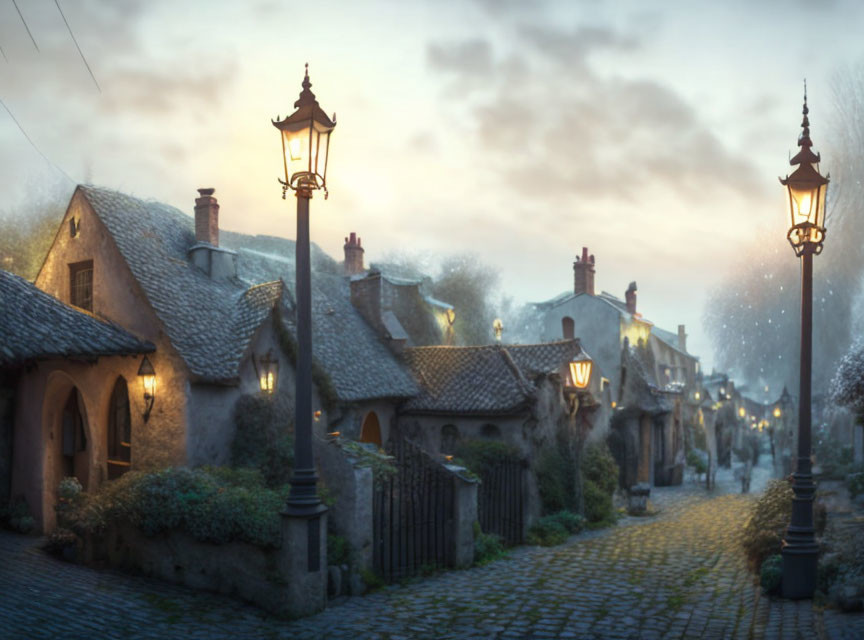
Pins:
x: 21, y: 15
x: 81, y: 53
x: 33, y: 144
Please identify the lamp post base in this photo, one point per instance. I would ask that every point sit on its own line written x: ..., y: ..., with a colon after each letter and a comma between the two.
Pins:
x: 799, y: 572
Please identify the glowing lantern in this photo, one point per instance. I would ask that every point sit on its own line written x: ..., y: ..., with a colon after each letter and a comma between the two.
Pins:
x: 777, y: 412
x: 305, y: 142
x: 580, y: 371
x: 451, y: 316
x: 742, y: 412
x: 268, y: 370
x: 806, y: 189
x: 148, y: 385
x: 498, y: 329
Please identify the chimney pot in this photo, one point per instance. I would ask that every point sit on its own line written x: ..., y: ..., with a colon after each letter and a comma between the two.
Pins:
x: 207, y: 217
x: 682, y: 338
x: 630, y: 298
x: 583, y: 273
x: 353, y: 255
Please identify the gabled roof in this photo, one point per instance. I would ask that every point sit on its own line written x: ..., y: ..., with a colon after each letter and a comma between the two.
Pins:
x: 36, y: 326
x: 486, y: 380
x: 211, y: 323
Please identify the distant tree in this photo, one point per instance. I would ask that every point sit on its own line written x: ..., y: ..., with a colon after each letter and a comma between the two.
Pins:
x: 753, y: 317
x: 847, y: 387
x: 469, y: 285
x: 27, y: 229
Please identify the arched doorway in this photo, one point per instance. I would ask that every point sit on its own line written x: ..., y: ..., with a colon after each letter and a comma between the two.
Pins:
x: 73, y: 440
x: 119, y: 431
x: 371, y: 429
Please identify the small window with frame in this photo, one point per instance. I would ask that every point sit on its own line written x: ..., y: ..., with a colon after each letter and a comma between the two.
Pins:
x: 81, y: 285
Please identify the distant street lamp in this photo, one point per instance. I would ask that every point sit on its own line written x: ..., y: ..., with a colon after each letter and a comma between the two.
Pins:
x: 305, y: 143
x: 806, y: 188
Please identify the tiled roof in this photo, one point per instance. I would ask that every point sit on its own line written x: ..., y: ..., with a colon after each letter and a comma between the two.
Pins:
x: 210, y: 323
x: 494, y: 379
x: 34, y: 325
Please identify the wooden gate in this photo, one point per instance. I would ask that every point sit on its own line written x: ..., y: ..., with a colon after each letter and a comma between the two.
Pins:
x: 413, y: 514
x: 499, y: 500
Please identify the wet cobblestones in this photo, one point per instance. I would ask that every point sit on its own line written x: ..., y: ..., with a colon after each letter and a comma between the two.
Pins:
x: 674, y: 575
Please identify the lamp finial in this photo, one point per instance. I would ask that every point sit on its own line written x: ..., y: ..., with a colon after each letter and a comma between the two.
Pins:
x: 804, y: 139
x: 306, y: 96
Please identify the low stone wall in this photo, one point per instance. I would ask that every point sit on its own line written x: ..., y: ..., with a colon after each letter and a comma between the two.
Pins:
x: 278, y: 580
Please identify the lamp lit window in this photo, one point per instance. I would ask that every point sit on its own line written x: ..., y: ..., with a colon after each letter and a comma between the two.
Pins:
x: 268, y: 369
x: 147, y: 375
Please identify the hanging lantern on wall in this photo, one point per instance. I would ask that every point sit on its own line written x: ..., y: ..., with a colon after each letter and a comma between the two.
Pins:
x: 147, y: 375
x: 268, y: 370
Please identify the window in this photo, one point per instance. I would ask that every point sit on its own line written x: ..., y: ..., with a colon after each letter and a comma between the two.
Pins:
x: 81, y: 285
x: 567, y: 327
x: 119, y: 430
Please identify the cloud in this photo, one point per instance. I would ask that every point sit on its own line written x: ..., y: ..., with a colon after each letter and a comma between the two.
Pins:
x: 468, y: 57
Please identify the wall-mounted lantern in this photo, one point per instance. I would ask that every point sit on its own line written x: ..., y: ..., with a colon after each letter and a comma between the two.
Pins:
x: 777, y: 412
x: 498, y: 329
x: 268, y: 370
x: 451, y: 316
x: 742, y: 412
x: 148, y: 385
x: 697, y: 395
x: 580, y: 371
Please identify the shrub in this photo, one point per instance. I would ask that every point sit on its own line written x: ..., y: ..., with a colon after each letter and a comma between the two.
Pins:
x: 855, y: 483
x: 556, y: 494
x: 834, y: 460
x: 555, y: 529
x: 762, y: 534
x: 338, y: 551
x: 487, y: 548
x: 771, y: 573
x: 212, y: 506
x: 697, y: 459
x: 600, y: 473
x: 479, y: 456
x: 16, y: 516
x: 263, y: 438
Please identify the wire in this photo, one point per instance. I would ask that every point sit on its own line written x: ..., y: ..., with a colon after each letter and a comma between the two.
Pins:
x: 33, y: 144
x: 81, y: 53
x: 25, y: 24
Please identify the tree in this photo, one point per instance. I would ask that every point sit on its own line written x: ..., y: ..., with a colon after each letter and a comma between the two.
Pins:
x: 753, y: 317
x: 28, y: 228
x: 468, y: 284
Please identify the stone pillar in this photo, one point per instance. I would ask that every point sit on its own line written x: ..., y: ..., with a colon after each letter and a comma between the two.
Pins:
x: 464, y: 517
x: 303, y: 564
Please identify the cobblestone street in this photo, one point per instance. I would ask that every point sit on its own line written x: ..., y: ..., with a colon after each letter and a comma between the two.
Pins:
x: 673, y: 575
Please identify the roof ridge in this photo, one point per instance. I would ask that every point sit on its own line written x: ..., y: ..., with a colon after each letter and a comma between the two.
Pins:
x: 526, y: 387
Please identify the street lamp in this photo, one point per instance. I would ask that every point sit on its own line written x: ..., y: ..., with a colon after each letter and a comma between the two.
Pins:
x: 806, y: 188
x: 305, y: 144
x: 576, y: 376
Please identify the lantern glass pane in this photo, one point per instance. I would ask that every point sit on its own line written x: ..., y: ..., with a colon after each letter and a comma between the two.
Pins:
x: 580, y: 373
x: 296, y: 151
x: 820, y: 202
x: 803, y: 203
x: 149, y: 383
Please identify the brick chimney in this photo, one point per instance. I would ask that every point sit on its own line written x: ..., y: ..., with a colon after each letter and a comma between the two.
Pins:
x: 366, y: 298
x: 353, y: 255
x: 630, y: 298
x: 682, y: 338
x: 207, y: 218
x: 583, y: 273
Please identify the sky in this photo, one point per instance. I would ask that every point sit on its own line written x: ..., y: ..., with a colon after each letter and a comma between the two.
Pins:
x: 651, y: 132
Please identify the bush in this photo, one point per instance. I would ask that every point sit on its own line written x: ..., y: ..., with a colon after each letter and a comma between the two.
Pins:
x: 834, y: 460
x: 556, y: 493
x: 263, y: 438
x: 16, y: 516
x: 600, y: 474
x: 212, y: 506
x: 762, y: 534
x: 771, y: 573
x: 479, y: 456
x: 556, y: 528
x: 698, y: 459
x: 855, y: 483
x: 487, y: 548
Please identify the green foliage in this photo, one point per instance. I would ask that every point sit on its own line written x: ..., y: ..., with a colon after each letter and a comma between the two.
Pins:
x: 479, y: 456
x: 466, y: 283
x: 600, y: 479
x: 263, y: 437
x: 554, y: 529
x: 696, y: 460
x: 855, y: 482
x: 556, y: 494
x: 487, y: 548
x: 15, y: 515
x: 771, y: 573
x: 380, y: 463
x: 338, y: 551
x: 833, y: 458
x: 769, y: 517
x: 372, y: 580
x: 216, y: 507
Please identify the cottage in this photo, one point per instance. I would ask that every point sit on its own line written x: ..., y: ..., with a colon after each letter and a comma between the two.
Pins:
x: 213, y: 311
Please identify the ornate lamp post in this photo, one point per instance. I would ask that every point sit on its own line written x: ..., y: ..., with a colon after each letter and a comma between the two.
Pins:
x: 305, y: 143
x: 806, y: 188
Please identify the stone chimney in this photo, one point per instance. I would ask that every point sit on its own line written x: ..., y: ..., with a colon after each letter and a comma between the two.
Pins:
x: 630, y: 298
x: 206, y: 254
x: 583, y: 273
x: 207, y: 218
x: 353, y: 255
x: 366, y: 298
x: 682, y: 338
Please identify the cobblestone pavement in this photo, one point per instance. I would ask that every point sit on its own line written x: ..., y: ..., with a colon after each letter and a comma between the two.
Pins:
x: 673, y: 575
